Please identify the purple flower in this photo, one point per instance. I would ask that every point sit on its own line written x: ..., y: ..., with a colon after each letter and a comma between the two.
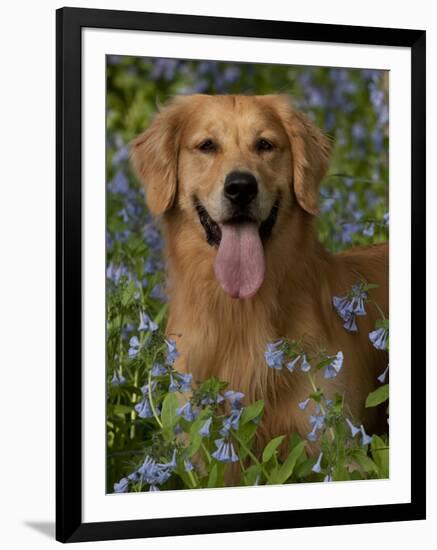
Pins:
x: 303, y: 404
x: 206, y: 427
x: 317, y: 468
x: 187, y: 412
x: 234, y: 398
x: 171, y: 353
x: 143, y: 408
x: 354, y: 430
x: 382, y: 377
x: 291, y: 364
x: 121, y: 486
x: 134, y: 347
x: 378, y: 338
x: 305, y: 366
x: 188, y: 465
x: 274, y: 356
x: 366, y: 439
x: 173, y: 386
x: 146, y: 324
x: 118, y: 379
x: 335, y: 366
x: 232, y: 421
x: 158, y: 369
x: 225, y: 451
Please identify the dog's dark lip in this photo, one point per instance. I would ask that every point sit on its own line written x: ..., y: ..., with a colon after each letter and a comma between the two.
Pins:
x: 212, y: 229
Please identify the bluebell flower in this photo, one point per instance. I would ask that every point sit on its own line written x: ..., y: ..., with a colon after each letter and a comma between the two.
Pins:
x: 335, y: 366
x: 303, y: 404
x: 382, y: 377
x: 173, y: 386
x: 366, y: 439
x: 145, y: 388
x: 378, y: 338
x: 177, y: 429
x: 153, y: 488
x: 185, y: 381
x: 171, y: 353
x: 153, y: 473
x: 121, y: 155
x: 158, y: 369
x: 206, y: 427
x: 133, y: 476
x: 114, y: 273
x: 146, y: 323
x: 386, y: 218
x: 225, y: 451
x: 292, y: 364
x: 369, y: 230
x: 153, y: 237
x: 134, y: 347
x: 351, y: 324
x: 143, y: 408
x: 354, y: 430
x: 119, y: 184
x: 317, y: 466
x: 305, y: 366
x: 188, y: 465
x: 327, y: 478
x: 312, y: 436
x: 118, y: 379
x: 158, y: 293
x: 187, y: 412
x: 273, y: 355
x: 121, y: 486
x: 232, y: 421
x: 234, y: 398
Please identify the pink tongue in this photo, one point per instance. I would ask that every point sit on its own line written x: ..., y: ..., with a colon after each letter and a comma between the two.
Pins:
x: 239, y: 265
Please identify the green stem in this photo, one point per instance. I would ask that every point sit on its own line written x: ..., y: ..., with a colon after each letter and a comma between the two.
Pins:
x: 377, y: 307
x: 252, y: 456
x: 322, y: 409
x: 152, y: 405
x: 205, y: 450
x: 193, y: 481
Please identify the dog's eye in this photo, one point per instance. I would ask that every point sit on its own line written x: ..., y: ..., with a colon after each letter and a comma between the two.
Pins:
x: 263, y: 145
x: 207, y: 146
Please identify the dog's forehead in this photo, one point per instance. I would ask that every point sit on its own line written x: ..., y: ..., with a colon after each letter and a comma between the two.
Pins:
x: 222, y: 114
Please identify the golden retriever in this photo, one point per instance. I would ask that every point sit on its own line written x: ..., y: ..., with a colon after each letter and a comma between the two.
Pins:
x: 235, y: 179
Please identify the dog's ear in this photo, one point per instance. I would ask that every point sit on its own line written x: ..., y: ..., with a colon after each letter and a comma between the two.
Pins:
x: 154, y: 155
x: 311, y: 150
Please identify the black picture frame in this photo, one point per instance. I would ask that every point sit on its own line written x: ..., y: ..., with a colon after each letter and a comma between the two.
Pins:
x: 69, y: 25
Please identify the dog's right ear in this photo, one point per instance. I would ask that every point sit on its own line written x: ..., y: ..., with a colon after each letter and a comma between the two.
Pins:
x: 154, y: 155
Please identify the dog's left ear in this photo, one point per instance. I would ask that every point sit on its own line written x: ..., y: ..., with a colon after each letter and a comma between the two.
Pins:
x: 154, y: 155
x: 311, y: 150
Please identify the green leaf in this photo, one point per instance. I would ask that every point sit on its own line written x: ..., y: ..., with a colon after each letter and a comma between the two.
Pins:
x: 287, y: 468
x: 128, y: 293
x: 195, y: 437
x: 378, y: 396
x: 271, y: 447
x: 251, y: 412
x: 365, y: 462
x: 251, y: 474
x: 168, y: 415
x: 380, y: 455
x: 382, y: 323
x: 212, y: 478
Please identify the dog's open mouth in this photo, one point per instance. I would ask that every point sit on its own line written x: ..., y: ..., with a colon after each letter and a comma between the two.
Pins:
x: 239, y: 265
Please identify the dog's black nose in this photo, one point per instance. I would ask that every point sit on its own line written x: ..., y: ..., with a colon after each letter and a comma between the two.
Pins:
x: 240, y: 187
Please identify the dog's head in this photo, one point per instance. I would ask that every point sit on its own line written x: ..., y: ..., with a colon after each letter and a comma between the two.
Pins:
x: 233, y: 163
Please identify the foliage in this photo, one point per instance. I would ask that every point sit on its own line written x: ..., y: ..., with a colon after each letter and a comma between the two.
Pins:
x: 163, y: 432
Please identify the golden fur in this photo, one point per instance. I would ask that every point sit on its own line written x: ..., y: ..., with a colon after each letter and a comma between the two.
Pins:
x: 226, y: 337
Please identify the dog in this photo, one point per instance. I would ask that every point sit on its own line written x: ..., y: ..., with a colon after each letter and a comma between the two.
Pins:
x: 235, y: 182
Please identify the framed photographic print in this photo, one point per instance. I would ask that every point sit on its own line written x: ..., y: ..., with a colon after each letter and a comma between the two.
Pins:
x: 240, y: 212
